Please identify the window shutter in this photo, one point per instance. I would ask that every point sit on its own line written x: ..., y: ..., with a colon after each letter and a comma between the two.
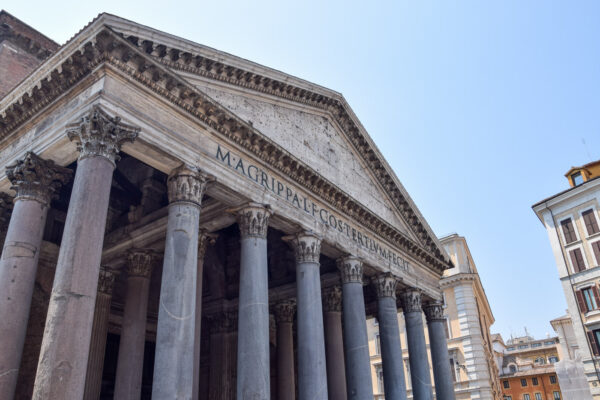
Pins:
x: 596, y: 295
x: 581, y: 301
x: 593, y: 343
x: 596, y: 249
x: 591, y: 224
x: 577, y: 260
x: 569, y: 232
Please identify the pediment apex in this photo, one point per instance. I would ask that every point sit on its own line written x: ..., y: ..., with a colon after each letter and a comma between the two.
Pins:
x: 105, y: 40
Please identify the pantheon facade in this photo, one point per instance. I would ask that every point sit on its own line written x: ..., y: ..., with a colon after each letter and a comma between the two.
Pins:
x: 181, y: 223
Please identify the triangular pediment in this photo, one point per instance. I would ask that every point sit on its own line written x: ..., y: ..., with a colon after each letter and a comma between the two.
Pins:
x: 305, y: 130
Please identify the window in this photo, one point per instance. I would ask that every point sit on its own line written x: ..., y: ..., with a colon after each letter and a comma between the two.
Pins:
x: 379, y: 374
x: 506, y: 384
x: 513, y: 368
x: 538, y: 344
x: 594, y: 338
x: 588, y: 298
x: 590, y: 222
x: 577, y: 260
x: 556, y: 395
x: 568, y: 230
x: 523, y: 382
x: 524, y: 346
x: 377, y: 344
x: 538, y: 396
x: 552, y: 359
x: 526, y: 397
x: 577, y: 178
x: 510, y: 348
x: 507, y: 397
x: 453, y: 370
x: 596, y: 250
x: 534, y: 381
x: 553, y: 379
x: 549, y: 343
x: 447, y: 328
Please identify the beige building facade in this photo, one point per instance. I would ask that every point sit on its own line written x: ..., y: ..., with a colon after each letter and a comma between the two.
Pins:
x: 181, y: 223
x: 468, y: 320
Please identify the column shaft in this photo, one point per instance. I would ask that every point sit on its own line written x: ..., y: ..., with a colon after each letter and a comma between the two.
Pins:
x: 130, y: 362
x: 65, y: 348
x: 312, y: 368
x: 417, y: 349
x: 389, y: 335
x: 356, y: 345
x: 18, y: 266
x: 442, y: 375
x: 93, y: 380
x: 284, y: 316
x: 253, y: 380
x: 334, y: 344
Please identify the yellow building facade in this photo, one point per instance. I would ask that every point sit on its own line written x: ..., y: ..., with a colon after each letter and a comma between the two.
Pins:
x: 469, y: 318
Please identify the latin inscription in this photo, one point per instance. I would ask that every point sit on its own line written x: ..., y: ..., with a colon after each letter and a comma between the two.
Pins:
x: 323, y: 215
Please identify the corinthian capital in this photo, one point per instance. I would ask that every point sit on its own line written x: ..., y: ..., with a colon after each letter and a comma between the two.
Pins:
x: 434, y: 311
x: 99, y: 134
x: 253, y: 220
x: 106, y: 280
x: 284, y: 311
x: 385, y: 285
x: 307, y: 246
x: 332, y: 299
x: 34, y: 178
x: 140, y: 262
x: 351, y: 269
x: 186, y: 184
x: 411, y: 300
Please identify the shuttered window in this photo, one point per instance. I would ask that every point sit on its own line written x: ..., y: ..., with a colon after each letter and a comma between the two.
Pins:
x: 568, y: 230
x: 577, y: 260
x: 590, y: 221
x: 596, y: 250
x: 588, y: 299
x: 592, y: 337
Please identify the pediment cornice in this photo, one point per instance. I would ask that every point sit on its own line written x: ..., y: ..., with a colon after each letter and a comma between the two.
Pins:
x: 154, y: 71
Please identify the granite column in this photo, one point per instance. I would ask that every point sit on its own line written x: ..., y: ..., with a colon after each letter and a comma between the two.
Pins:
x: 356, y: 345
x: 93, y: 379
x: 389, y: 334
x: 68, y: 331
x: 253, y: 380
x: 334, y: 343
x: 174, y: 360
x: 130, y: 362
x: 442, y: 375
x: 35, y: 181
x: 284, y: 316
x: 417, y: 349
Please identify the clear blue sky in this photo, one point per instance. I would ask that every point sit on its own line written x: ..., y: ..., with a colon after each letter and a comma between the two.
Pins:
x: 479, y: 106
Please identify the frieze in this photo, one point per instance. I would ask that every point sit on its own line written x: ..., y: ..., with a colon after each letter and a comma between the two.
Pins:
x: 100, y: 135
x: 34, y: 178
x: 307, y: 246
x: 411, y: 301
x: 434, y: 311
x: 332, y: 299
x: 186, y: 184
x: 107, y: 47
x: 351, y: 269
x: 385, y: 285
x: 141, y: 262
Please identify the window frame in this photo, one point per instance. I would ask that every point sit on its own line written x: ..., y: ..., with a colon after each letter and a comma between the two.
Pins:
x: 579, y: 247
x: 523, y: 382
x: 526, y: 396
x: 553, y: 379
x: 551, y: 358
x: 556, y: 395
x: 506, y: 384
x: 534, y: 381
x: 574, y: 175
x: 538, y: 396
x: 591, y: 248
x: 575, y: 230
x: 591, y: 208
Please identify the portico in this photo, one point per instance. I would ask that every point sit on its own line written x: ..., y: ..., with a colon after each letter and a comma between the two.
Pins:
x: 158, y: 147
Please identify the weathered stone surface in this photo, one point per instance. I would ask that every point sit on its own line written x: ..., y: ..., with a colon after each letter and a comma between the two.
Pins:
x: 334, y: 343
x: 440, y: 362
x: 286, y: 382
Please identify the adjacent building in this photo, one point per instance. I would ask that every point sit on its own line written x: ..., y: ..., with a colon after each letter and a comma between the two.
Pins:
x: 572, y: 221
x: 468, y: 319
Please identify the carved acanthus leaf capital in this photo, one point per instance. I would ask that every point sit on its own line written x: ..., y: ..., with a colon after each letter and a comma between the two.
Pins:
x: 411, y: 300
x: 253, y: 219
x: 205, y: 239
x: 332, y: 299
x: 307, y: 246
x: 284, y: 311
x: 140, y: 262
x: 187, y: 184
x: 434, y: 311
x: 99, y: 134
x: 385, y: 285
x: 106, y: 280
x: 351, y: 269
x: 37, y: 179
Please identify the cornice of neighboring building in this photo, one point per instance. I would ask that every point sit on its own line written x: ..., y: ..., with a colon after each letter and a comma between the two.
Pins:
x: 139, y: 52
x: 475, y: 281
x: 565, y: 196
